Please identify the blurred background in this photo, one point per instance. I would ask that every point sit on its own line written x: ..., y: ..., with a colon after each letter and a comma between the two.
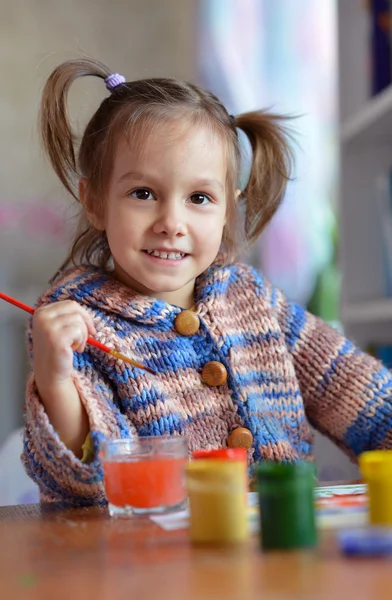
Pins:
x: 280, y: 55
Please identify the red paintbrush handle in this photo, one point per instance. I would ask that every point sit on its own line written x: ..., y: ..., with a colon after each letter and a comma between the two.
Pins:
x: 97, y: 344
x: 17, y: 303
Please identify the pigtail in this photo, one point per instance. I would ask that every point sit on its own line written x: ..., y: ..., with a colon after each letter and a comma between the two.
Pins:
x: 270, y: 170
x: 55, y: 128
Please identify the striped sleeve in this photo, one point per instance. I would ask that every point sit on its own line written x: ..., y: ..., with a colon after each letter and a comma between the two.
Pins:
x: 59, y: 474
x: 347, y: 393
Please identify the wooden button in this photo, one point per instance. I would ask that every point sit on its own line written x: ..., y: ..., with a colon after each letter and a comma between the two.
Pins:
x: 214, y: 373
x: 187, y: 323
x: 240, y: 438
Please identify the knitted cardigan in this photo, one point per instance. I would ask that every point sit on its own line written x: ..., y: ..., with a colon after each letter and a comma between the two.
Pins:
x: 286, y: 369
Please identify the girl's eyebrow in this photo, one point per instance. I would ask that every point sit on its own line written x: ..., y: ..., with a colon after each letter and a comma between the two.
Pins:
x: 208, y: 182
x: 196, y: 183
x: 130, y: 175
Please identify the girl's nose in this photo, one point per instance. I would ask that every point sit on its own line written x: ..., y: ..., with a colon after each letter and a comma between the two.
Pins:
x: 170, y: 221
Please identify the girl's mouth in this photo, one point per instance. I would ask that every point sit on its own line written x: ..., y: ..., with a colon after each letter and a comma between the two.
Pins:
x: 160, y: 254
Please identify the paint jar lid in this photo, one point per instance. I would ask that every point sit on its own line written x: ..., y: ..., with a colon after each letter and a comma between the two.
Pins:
x: 221, y: 454
x: 376, y: 464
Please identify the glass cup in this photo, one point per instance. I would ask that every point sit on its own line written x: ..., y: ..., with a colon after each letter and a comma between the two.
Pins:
x: 146, y: 475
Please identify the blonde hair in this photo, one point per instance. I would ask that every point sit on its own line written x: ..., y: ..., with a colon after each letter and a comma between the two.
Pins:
x: 150, y: 101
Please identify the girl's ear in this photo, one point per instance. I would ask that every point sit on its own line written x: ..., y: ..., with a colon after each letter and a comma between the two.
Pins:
x: 87, y: 201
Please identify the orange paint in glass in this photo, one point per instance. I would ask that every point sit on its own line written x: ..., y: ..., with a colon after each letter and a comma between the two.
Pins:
x: 147, y: 483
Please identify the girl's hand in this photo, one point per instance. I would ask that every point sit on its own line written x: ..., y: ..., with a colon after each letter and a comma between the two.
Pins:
x: 58, y: 330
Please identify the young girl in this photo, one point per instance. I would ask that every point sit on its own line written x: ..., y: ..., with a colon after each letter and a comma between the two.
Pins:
x: 152, y: 274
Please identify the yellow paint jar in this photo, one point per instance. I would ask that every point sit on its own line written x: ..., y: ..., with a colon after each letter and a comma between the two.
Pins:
x: 376, y: 469
x: 218, y: 501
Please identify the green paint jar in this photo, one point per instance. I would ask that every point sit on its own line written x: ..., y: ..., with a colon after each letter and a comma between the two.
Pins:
x: 287, y: 511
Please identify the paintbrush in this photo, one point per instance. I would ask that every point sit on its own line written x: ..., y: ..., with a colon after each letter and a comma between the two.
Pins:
x: 90, y: 340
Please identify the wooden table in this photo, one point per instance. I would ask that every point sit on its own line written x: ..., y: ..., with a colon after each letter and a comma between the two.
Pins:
x: 84, y: 554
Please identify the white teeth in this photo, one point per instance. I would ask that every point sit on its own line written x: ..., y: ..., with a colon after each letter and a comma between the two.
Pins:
x: 166, y: 255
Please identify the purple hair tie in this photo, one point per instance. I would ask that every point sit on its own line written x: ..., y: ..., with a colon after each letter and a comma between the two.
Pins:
x: 114, y: 80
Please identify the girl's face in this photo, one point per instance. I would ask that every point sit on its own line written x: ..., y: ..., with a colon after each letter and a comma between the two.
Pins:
x: 166, y: 210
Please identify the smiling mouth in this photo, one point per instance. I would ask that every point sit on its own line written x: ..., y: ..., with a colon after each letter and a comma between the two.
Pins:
x: 166, y: 255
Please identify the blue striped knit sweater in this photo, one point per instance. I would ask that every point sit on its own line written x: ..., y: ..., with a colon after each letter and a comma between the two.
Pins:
x: 285, y: 368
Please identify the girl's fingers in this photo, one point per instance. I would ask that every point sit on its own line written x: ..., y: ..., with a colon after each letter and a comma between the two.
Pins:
x: 56, y: 309
x: 65, y: 308
x: 74, y: 336
x: 89, y: 322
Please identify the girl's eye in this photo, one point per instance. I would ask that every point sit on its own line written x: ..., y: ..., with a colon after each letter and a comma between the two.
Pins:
x: 142, y: 194
x: 200, y: 199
